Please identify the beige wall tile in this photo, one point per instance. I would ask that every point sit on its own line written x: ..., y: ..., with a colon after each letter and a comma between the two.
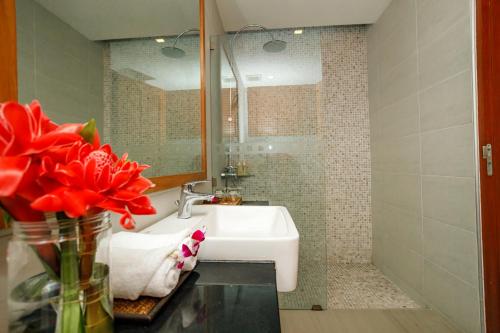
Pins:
x: 400, y: 155
x: 399, y: 119
x: 447, y: 55
x: 448, y: 103
x: 451, y: 200
x: 403, y: 191
x: 435, y: 17
x: 398, y: 45
x: 406, y: 264
x: 453, y: 248
x: 396, y: 14
x: 453, y: 297
x: 404, y: 227
x: 400, y: 82
x: 449, y: 152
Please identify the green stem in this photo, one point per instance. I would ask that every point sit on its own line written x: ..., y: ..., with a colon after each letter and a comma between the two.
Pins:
x: 71, y: 312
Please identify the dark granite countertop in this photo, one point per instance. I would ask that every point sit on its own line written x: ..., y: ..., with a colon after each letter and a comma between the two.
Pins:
x: 219, y: 297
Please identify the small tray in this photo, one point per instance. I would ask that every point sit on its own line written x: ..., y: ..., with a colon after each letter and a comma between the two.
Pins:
x: 232, y: 203
x: 145, y: 308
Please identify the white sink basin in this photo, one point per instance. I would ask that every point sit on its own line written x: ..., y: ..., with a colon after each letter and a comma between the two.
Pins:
x: 250, y: 233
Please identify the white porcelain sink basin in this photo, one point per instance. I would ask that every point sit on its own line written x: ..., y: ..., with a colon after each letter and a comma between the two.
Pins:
x: 250, y: 233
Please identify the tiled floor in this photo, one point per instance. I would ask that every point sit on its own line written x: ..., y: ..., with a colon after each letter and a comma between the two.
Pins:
x: 363, y: 286
x: 364, y: 321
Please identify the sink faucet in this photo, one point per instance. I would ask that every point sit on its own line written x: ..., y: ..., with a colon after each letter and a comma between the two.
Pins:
x: 188, y: 197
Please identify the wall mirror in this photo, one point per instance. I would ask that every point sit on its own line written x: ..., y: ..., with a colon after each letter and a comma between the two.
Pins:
x: 136, y: 67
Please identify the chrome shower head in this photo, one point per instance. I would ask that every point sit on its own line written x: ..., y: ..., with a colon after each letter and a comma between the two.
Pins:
x: 173, y: 51
x: 274, y: 46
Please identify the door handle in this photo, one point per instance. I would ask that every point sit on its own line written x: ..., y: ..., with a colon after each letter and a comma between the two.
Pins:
x: 488, y: 156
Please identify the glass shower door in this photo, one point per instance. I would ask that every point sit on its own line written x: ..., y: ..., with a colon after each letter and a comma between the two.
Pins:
x: 267, y: 118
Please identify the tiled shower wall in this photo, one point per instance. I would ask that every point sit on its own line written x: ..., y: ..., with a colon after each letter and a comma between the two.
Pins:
x: 308, y: 149
x: 423, y: 164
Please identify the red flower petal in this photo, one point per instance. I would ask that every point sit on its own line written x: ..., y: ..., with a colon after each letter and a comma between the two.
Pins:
x: 104, y: 180
x: 120, y: 179
x: 198, y: 235
x: 126, y: 220
x: 186, y: 252
x: 141, y: 206
x: 139, y: 185
x: 48, y: 203
x: 19, y: 119
x: 124, y: 195
x: 12, y: 169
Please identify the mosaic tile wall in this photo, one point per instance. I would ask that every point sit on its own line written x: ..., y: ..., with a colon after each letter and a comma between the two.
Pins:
x: 166, y: 124
x: 309, y: 150
x: 283, y: 110
x: 346, y: 133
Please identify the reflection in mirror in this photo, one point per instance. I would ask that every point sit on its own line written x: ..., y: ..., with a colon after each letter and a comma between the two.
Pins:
x: 154, y: 94
x: 106, y: 60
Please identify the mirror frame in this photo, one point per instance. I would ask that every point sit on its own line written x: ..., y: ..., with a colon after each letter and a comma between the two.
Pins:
x: 8, y: 87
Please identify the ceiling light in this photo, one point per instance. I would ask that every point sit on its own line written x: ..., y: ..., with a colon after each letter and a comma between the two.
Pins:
x: 270, y: 77
x: 298, y: 32
x: 160, y: 40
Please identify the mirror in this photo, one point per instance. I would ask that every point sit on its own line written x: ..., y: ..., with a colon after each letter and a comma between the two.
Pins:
x: 134, y: 66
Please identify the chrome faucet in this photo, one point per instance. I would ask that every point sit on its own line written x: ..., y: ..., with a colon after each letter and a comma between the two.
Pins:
x: 188, y: 197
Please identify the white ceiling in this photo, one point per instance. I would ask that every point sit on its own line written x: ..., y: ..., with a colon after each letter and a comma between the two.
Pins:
x: 117, y: 19
x: 275, y: 14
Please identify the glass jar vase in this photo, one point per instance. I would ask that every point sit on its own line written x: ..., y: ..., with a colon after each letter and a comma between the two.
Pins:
x: 58, y: 275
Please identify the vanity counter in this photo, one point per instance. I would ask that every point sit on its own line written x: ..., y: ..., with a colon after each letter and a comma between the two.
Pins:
x: 219, y: 297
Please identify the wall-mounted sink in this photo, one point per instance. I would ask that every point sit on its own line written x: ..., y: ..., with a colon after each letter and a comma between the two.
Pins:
x: 250, y: 233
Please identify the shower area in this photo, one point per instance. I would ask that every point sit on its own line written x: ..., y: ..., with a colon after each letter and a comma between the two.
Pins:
x: 365, y: 134
x: 290, y: 107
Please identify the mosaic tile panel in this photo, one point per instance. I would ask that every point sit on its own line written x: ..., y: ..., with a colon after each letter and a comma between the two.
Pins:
x: 346, y: 133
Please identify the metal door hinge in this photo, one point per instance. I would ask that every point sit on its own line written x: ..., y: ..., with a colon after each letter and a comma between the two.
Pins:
x: 488, y: 156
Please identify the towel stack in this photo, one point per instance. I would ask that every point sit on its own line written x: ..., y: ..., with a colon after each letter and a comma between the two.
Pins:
x: 150, y: 265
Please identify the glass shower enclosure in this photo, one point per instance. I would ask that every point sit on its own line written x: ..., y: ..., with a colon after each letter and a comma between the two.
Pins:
x: 266, y: 119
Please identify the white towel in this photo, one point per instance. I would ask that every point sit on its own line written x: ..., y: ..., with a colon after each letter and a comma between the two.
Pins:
x: 142, y: 264
x: 164, y: 280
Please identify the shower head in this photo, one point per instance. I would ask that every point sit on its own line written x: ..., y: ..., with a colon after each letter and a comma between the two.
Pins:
x: 173, y: 51
x: 274, y: 46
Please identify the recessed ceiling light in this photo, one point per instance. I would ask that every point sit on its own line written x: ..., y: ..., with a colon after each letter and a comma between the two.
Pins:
x: 298, y: 32
x: 160, y: 40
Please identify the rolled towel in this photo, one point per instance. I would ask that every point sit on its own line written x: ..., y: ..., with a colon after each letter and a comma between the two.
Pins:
x: 164, y: 280
x: 141, y: 263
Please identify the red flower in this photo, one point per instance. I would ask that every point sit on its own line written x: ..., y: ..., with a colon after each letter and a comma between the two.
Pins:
x: 25, y: 133
x: 45, y: 167
x: 94, y: 178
